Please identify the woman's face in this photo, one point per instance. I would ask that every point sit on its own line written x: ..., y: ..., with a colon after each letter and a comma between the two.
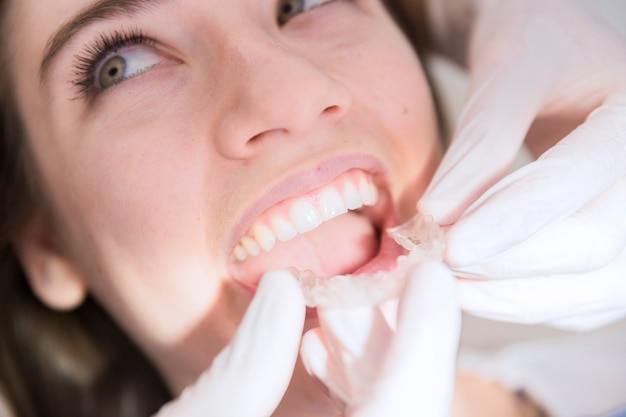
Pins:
x: 178, y: 138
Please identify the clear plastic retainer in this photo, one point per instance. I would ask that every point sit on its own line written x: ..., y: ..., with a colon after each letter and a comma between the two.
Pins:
x: 420, y: 236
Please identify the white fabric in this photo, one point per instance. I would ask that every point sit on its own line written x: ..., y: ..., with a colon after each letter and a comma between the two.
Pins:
x: 571, y: 375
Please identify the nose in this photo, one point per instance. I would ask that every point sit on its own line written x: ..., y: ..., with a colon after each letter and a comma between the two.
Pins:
x: 276, y: 92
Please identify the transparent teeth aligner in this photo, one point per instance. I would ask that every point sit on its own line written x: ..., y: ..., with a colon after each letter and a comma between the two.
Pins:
x: 420, y: 233
x: 421, y: 236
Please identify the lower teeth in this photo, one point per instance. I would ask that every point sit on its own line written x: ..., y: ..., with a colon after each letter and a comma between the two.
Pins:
x: 421, y: 236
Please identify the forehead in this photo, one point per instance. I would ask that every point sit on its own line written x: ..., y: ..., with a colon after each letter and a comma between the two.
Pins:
x: 30, y: 24
x: 43, y: 27
x: 33, y: 21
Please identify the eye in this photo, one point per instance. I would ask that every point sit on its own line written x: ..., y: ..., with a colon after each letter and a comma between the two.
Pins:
x: 112, y: 58
x: 126, y: 63
x: 288, y: 9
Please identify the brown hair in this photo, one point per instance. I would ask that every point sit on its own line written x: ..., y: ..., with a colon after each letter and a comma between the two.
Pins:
x: 65, y: 364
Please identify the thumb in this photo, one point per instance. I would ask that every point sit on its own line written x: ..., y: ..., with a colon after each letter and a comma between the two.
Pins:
x: 257, y: 364
x: 418, y: 372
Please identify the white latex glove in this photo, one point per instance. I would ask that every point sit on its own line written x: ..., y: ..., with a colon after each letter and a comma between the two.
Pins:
x: 250, y: 376
x: 556, y: 228
x: 372, y: 370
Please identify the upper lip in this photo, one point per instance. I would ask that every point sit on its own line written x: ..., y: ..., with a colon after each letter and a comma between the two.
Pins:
x: 301, y: 182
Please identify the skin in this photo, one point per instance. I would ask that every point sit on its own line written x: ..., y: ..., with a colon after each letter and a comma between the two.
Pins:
x: 476, y: 396
x: 147, y: 181
x: 147, y: 184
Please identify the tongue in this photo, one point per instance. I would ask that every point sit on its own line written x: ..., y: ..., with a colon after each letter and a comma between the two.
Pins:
x: 339, y: 246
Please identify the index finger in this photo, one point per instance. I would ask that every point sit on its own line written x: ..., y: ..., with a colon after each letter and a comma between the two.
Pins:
x: 503, y: 104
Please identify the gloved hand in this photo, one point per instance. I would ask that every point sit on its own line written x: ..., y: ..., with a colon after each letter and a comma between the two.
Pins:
x: 257, y: 364
x: 372, y: 370
x: 556, y: 228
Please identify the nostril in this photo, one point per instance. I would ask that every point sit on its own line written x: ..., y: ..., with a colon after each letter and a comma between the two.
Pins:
x: 331, y: 110
x: 337, y: 110
x: 257, y: 138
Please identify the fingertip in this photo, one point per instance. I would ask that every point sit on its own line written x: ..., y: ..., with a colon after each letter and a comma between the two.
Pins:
x: 278, y: 308
x: 314, y: 353
x: 438, y: 209
x: 276, y: 277
x: 281, y: 285
x: 434, y: 267
x: 431, y: 292
x: 436, y: 276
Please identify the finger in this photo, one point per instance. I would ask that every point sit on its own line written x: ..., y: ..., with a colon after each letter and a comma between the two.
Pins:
x: 258, y: 362
x: 417, y: 376
x: 503, y: 103
x: 587, y: 240
x: 547, y: 299
x: 571, y: 174
x: 319, y: 364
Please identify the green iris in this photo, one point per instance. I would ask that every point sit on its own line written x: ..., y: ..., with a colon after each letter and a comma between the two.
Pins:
x: 112, y: 72
x: 288, y: 9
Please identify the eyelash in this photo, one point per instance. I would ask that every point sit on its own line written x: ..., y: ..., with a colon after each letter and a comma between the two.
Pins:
x: 282, y: 21
x: 86, y: 63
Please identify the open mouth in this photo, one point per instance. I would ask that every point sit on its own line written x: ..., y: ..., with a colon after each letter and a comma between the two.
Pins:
x: 333, y: 230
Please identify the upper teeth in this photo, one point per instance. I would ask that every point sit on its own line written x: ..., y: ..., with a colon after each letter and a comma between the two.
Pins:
x: 351, y: 191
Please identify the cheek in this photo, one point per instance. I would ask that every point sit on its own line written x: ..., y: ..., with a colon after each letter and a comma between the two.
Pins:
x: 402, y: 99
x: 140, y: 202
x: 146, y: 183
x: 141, y: 209
x: 146, y: 189
x: 142, y: 192
x: 389, y: 79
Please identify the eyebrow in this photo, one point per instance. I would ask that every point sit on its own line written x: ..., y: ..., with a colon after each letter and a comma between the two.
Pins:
x: 100, y: 10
